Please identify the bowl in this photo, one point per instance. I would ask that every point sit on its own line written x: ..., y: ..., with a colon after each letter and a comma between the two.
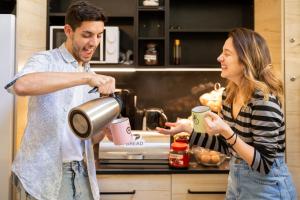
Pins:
x: 208, y: 157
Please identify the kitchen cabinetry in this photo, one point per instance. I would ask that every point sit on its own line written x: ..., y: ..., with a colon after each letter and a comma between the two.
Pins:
x: 201, y: 27
x: 199, y: 186
x: 135, y: 187
x: 292, y: 87
x: 164, y: 187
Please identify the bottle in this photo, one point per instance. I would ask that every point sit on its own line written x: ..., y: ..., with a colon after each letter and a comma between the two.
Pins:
x: 179, y: 155
x: 176, y: 52
x: 150, y: 56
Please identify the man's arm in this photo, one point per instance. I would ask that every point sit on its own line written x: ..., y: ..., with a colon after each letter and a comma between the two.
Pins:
x: 46, y: 82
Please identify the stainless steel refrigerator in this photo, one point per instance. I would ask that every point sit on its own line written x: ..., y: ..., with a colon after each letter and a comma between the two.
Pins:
x: 7, y: 69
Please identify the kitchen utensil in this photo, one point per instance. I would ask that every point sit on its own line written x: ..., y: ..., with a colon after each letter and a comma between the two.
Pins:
x: 89, y: 118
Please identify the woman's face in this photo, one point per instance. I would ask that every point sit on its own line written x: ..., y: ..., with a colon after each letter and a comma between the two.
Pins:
x: 232, y: 69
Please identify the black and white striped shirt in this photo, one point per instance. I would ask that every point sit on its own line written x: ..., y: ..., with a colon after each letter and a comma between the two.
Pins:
x: 260, y: 124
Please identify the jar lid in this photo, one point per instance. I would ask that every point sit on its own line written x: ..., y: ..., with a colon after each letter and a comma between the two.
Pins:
x: 179, y: 146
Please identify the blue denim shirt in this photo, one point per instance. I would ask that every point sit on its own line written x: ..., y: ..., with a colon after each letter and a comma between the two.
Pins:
x: 38, y: 163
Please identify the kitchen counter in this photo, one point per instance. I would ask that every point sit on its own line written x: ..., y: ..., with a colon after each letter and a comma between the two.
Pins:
x: 160, y: 168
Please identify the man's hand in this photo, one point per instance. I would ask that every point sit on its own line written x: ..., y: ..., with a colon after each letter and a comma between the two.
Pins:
x: 105, y: 84
x: 98, y: 137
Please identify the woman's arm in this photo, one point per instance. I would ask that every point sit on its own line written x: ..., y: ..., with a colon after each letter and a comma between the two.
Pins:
x: 266, y: 126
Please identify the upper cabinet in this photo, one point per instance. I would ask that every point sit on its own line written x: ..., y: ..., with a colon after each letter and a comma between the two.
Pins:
x: 202, y: 27
x: 170, y: 33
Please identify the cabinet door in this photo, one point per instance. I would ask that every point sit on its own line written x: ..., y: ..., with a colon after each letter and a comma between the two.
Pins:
x: 135, y: 187
x: 292, y: 87
x: 199, y: 186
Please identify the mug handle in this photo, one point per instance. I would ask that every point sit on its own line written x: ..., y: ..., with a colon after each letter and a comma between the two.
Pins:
x: 164, y: 119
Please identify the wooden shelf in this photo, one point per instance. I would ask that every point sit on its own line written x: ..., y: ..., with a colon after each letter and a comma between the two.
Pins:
x: 151, y: 38
x: 199, y: 30
x: 151, y: 8
x: 57, y: 14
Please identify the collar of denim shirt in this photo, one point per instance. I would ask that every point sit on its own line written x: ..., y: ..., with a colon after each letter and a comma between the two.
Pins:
x: 70, y: 59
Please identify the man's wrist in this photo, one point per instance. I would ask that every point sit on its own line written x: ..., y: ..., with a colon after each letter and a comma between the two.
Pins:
x: 87, y: 77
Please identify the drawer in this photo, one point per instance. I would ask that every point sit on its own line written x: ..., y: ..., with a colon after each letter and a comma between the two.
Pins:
x: 198, y: 186
x: 115, y: 187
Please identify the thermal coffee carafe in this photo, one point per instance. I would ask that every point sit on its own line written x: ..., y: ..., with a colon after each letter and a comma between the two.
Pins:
x: 89, y: 118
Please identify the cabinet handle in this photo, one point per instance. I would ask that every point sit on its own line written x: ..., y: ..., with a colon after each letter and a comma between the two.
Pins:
x: 117, y: 193
x: 292, y: 40
x: 293, y: 78
x: 206, y: 192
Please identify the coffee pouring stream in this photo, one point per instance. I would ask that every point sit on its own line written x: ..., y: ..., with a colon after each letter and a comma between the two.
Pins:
x: 90, y: 117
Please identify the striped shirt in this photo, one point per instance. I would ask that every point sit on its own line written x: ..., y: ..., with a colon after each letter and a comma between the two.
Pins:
x: 260, y: 124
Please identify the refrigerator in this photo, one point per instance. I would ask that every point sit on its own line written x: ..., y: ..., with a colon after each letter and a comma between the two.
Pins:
x: 7, y: 70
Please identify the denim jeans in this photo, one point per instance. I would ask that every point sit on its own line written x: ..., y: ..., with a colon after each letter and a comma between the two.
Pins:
x: 75, y: 184
x: 245, y: 183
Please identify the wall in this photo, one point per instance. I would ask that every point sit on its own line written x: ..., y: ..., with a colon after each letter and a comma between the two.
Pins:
x: 268, y: 22
x: 30, y: 38
x: 292, y: 87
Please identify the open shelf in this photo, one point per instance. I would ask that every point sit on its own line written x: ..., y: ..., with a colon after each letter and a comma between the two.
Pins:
x: 151, y: 24
x: 211, y: 14
x: 198, y: 49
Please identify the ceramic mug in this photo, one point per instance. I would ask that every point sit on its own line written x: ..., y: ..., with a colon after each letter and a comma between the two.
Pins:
x: 121, y: 131
x: 198, y: 114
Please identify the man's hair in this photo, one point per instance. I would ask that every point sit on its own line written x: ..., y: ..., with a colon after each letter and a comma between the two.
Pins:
x: 80, y: 11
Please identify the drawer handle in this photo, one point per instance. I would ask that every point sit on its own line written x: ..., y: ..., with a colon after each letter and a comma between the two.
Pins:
x: 117, y: 193
x: 206, y: 192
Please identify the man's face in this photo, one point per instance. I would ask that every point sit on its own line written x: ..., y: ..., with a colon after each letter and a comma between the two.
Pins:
x: 83, y: 42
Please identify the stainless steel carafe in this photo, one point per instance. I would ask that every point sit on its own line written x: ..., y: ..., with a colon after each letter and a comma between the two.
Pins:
x: 89, y: 118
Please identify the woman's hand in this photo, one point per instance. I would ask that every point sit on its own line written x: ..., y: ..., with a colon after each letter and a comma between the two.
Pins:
x: 176, y: 127
x: 215, y: 125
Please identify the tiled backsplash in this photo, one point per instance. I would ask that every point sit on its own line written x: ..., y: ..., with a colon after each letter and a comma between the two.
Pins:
x: 175, y: 92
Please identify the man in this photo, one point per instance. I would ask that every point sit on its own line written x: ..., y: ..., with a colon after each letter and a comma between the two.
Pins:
x: 50, y: 163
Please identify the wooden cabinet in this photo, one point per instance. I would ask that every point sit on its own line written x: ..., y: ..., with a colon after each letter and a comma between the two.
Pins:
x: 292, y: 87
x: 199, y: 25
x: 135, y: 187
x: 199, y: 186
x: 163, y: 187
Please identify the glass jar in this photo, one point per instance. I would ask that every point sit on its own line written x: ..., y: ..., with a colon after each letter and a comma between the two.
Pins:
x: 179, y: 155
x: 151, y: 55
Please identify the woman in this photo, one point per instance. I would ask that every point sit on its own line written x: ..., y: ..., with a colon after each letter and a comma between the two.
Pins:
x: 251, y: 127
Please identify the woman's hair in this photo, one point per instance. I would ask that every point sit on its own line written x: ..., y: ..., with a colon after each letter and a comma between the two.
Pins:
x: 80, y: 11
x: 258, y: 72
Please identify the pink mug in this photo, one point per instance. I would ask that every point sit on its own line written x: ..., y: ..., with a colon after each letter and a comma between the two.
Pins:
x: 121, y: 131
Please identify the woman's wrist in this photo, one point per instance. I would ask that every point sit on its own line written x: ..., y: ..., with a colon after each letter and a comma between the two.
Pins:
x: 190, y: 129
x: 228, y: 133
